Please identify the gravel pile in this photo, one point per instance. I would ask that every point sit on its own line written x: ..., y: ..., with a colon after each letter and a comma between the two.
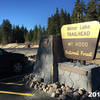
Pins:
x: 56, y: 90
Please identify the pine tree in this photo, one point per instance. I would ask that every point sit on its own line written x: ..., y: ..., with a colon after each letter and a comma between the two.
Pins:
x: 78, y: 11
x: 57, y: 22
x: 6, y: 31
x: 13, y: 33
x: 82, y: 11
x: 27, y: 38
x: 39, y: 33
x: 68, y: 19
x: 30, y: 35
x: 63, y: 18
x: 35, y: 34
x: 98, y: 12
x: 17, y: 34
x: 74, y: 16
x: 91, y: 12
x: 44, y: 31
x: 22, y: 32
x: 0, y: 34
x: 54, y: 24
x: 51, y: 26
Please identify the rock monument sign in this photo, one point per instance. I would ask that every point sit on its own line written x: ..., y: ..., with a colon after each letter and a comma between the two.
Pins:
x: 80, y: 40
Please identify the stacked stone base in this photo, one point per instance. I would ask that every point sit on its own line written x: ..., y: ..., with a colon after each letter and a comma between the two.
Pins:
x: 87, y: 76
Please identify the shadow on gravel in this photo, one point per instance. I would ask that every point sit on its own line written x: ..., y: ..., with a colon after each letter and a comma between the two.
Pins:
x: 40, y: 95
x: 28, y: 68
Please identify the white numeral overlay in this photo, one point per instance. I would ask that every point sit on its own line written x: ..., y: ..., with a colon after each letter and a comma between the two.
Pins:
x: 94, y: 94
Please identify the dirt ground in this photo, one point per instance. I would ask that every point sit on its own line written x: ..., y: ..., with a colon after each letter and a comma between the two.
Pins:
x: 17, y: 45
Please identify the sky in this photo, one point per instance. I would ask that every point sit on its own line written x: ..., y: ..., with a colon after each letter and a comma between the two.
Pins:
x: 32, y: 12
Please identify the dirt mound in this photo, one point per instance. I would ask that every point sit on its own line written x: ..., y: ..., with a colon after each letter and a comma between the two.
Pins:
x: 10, y: 45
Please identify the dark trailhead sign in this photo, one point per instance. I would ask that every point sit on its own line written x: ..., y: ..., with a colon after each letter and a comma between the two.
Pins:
x: 80, y: 40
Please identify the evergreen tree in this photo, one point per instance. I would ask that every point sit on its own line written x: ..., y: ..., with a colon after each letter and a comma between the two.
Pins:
x: 17, y: 34
x: 78, y: 11
x: 68, y: 19
x: 54, y: 24
x: 51, y: 26
x: 0, y: 34
x: 44, y: 31
x: 27, y: 40
x: 6, y: 31
x: 22, y: 32
x: 25, y: 32
x: 63, y: 18
x: 39, y: 32
x: 14, y: 35
x: 98, y: 12
x: 91, y: 12
x: 74, y: 16
x: 35, y: 34
x: 31, y: 35
x: 57, y: 22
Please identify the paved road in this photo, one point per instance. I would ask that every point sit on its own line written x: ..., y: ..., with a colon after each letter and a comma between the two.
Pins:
x: 14, y: 89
